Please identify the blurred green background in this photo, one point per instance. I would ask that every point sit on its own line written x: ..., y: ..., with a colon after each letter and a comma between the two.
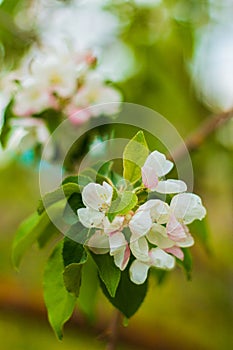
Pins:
x: 162, y: 38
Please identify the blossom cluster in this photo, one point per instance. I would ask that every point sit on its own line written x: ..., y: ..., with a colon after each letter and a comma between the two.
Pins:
x: 58, y: 79
x: 153, y: 233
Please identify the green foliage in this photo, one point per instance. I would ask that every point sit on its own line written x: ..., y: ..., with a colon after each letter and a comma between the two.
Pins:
x: 73, y: 204
x: 4, y: 132
x: 122, y: 204
x: 13, y: 39
x: 73, y: 252
x: 128, y: 297
x: 88, y: 289
x: 31, y: 229
x: 78, y: 233
x: 74, y: 256
x: 106, y: 169
x: 187, y: 263
x: 81, y: 180
x: 200, y: 230
x: 65, y: 191
x: 48, y: 234
x: 134, y: 156
x: 59, y: 302
x: 69, y: 272
x: 109, y: 273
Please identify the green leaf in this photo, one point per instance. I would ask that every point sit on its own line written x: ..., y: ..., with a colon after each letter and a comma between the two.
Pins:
x: 129, y: 296
x: 105, y: 169
x: 78, y: 233
x: 134, y: 157
x: 73, y: 252
x: 200, y: 230
x: 187, y: 263
x: 81, y: 180
x: 95, y: 176
x: 6, y: 124
x: 31, y: 229
x: 122, y: 204
x: 159, y: 274
x: 62, y: 192
x: 116, y: 178
x: 109, y: 273
x: 59, y: 302
x: 73, y: 204
x: 88, y: 290
x: 72, y: 278
x: 74, y: 256
x: 50, y: 233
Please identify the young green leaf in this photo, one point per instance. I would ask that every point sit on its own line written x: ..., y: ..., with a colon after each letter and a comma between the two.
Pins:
x: 62, y: 192
x: 128, y: 296
x: 109, y: 273
x: 134, y: 157
x: 105, y: 169
x: 59, y: 302
x: 122, y: 204
x: 81, y: 180
x: 88, y: 290
x: 31, y: 229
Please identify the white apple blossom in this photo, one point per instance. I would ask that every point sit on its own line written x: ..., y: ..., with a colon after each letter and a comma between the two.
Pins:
x: 111, y: 240
x: 148, y: 225
x: 26, y: 132
x: 156, y: 257
x: 57, y: 72
x: 155, y: 167
x: 32, y: 98
x: 94, y: 92
x: 108, y: 236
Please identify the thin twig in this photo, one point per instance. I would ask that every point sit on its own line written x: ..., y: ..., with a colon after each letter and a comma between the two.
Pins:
x: 195, y: 140
x: 113, y: 331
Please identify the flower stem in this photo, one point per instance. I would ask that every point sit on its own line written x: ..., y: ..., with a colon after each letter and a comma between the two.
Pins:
x: 198, y: 137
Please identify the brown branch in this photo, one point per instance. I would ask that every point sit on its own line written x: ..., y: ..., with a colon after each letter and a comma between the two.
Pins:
x: 114, y: 331
x: 197, y: 138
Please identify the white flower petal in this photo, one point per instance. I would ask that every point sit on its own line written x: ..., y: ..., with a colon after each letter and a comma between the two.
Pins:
x: 121, y: 258
x: 176, y: 251
x: 158, y: 236
x: 161, y: 259
x: 108, y: 192
x: 140, y: 249
x: 138, y: 272
x: 188, y: 207
x: 99, y: 243
x: 117, y: 241
x: 187, y: 242
x: 114, y: 226
x: 90, y: 218
x: 149, y: 177
x: 176, y: 230
x: 140, y: 223
x: 171, y: 186
x: 97, y: 196
x: 159, y: 211
x: 159, y: 163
